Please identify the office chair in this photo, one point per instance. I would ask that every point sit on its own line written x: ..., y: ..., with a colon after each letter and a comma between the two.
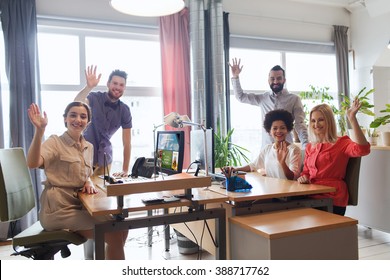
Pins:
x: 352, y: 179
x: 17, y: 199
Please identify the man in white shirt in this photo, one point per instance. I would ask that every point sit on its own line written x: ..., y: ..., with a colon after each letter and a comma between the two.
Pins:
x: 277, y: 98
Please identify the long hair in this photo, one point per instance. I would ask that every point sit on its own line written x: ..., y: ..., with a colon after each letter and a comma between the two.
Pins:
x: 331, y: 132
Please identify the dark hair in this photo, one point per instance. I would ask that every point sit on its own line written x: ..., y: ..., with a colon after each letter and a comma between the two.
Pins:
x: 278, y: 115
x: 119, y: 73
x: 278, y: 68
x: 78, y: 104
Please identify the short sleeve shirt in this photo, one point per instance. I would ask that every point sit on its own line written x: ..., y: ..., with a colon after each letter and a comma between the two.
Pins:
x: 66, y: 163
x: 107, y: 118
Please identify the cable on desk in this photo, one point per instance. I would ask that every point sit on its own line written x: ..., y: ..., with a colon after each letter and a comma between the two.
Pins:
x: 196, y: 161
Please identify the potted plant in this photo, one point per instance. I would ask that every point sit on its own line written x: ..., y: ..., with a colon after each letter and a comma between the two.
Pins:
x: 366, y: 106
x: 226, y: 152
x: 383, y: 120
x: 372, y: 135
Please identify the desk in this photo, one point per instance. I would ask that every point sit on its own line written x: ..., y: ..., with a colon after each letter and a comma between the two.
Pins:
x: 104, y: 204
x: 268, y: 194
x: 266, y: 189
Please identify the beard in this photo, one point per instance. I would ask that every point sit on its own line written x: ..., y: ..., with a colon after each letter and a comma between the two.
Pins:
x: 277, y: 87
x: 112, y: 96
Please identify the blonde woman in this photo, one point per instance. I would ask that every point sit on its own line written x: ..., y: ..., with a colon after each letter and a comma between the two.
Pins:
x: 327, y: 155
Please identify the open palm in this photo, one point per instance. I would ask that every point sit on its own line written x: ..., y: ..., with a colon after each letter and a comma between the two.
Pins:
x: 36, y: 118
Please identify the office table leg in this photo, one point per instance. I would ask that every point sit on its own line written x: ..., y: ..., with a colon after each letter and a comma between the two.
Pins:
x: 150, y: 231
x: 167, y: 233
x: 118, y: 225
x: 99, y: 242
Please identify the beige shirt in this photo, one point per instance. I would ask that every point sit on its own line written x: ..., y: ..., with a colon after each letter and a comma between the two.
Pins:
x: 66, y: 163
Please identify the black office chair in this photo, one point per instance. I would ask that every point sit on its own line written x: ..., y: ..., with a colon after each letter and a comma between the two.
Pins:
x: 17, y: 199
x: 352, y: 179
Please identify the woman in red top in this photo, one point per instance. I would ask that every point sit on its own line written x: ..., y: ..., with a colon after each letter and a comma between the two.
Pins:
x: 327, y: 155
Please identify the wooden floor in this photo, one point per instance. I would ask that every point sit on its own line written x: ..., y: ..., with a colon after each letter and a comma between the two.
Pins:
x: 373, y: 245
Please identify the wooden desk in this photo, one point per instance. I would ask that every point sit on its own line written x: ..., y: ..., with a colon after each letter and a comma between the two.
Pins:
x: 101, y: 204
x: 267, y: 191
x: 267, y: 187
x: 295, y: 234
x: 268, y: 194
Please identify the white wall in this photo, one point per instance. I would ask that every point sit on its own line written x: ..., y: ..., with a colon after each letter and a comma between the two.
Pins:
x: 370, y: 34
x: 283, y: 19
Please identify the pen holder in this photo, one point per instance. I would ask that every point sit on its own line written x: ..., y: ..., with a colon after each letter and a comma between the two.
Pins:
x: 237, y: 184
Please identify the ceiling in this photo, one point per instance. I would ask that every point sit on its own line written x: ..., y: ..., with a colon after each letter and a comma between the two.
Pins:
x: 94, y: 8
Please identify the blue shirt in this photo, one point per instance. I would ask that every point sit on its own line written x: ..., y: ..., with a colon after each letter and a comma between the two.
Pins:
x: 107, y: 117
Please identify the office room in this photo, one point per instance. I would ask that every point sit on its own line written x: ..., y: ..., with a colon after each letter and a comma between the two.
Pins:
x: 296, y: 34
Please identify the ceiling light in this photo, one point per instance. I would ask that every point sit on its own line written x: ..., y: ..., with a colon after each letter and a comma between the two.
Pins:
x: 148, y: 8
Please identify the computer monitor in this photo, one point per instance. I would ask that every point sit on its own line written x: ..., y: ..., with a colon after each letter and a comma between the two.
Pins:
x: 197, y: 148
x: 170, y: 151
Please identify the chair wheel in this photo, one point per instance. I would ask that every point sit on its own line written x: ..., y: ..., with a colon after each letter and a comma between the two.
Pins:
x: 65, y: 252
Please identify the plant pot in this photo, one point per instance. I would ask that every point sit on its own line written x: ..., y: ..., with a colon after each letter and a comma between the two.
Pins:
x: 373, y: 140
x: 385, y: 138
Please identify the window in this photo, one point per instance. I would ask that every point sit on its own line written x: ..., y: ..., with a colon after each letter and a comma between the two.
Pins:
x: 65, y: 53
x: 303, y: 69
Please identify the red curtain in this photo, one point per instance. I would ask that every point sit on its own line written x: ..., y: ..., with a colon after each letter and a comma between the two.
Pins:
x: 176, y: 77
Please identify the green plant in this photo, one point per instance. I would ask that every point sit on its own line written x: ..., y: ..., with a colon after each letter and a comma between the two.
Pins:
x: 363, y: 97
x: 382, y: 120
x: 314, y: 97
x: 319, y: 95
x: 227, y: 153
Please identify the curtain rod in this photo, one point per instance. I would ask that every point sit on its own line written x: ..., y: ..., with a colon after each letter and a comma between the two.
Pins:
x: 282, y: 19
x: 99, y: 22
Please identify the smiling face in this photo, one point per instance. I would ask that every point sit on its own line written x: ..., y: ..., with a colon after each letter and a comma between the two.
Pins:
x: 276, y: 81
x: 318, y: 124
x: 76, y: 120
x: 116, y: 87
x: 278, y: 131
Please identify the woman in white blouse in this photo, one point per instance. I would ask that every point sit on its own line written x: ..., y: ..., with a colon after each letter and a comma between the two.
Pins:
x: 280, y: 159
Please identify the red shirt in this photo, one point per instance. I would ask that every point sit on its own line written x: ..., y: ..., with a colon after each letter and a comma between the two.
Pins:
x: 326, y: 164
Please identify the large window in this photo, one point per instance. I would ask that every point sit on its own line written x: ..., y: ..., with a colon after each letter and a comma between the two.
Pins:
x: 303, y: 70
x: 65, y: 53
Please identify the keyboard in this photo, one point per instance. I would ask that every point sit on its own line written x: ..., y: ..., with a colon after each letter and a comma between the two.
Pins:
x: 152, y: 200
x: 138, y: 179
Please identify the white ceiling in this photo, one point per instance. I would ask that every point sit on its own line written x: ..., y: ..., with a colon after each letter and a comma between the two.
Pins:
x: 101, y: 8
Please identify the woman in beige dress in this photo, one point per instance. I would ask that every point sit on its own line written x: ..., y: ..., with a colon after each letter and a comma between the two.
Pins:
x: 67, y: 161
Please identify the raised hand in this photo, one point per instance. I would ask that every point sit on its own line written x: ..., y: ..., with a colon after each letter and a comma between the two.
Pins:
x: 39, y: 121
x: 90, y: 75
x: 235, y: 67
x: 352, y: 111
x: 281, y: 151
